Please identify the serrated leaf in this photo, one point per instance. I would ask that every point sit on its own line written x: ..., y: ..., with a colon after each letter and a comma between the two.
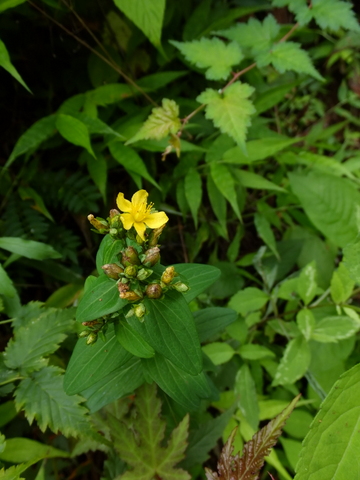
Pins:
x: 288, y: 56
x: 5, y: 63
x: 255, y: 35
x: 294, y: 363
x: 139, y: 441
x: 193, y: 192
x: 42, y: 397
x: 225, y: 183
x: 264, y: 231
x: 219, y: 352
x: 161, y: 122
x: 330, y: 203
x: 247, y: 467
x: 38, y: 338
x: 74, y: 131
x: 338, y: 418
x: 213, y: 54
x: 147, y: 16
x: 28, y: 248
x: 230, y: 111
x: 6, y: 285
x: 248, y: 300
x: 334, y: 14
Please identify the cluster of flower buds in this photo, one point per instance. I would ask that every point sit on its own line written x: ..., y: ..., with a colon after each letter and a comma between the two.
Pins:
x: 112, y: 225
x: 93, y: 328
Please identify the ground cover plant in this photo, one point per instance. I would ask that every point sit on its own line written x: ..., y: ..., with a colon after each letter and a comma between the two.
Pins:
x: 179, y: 239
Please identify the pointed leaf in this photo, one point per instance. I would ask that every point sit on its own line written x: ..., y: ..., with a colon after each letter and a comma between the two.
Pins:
x: 245, y: 390
x: 199, y: 278
x: 307, y: 286
x: 132, y: 341
x: 264, y: 231
x: 6, y: 285
x: 224, y: 182
x: 294, y: 363
x: 5, y: 63
x: 212, y: 320
x: 334, y: 328
x: 28, y: 248
x: 74, y: 131
x: 20, y: 450
x: 334, y: 14
x: 248, y: 300
x: 193, y: 192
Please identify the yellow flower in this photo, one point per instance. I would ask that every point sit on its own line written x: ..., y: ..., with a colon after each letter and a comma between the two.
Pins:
x: 138, y: 213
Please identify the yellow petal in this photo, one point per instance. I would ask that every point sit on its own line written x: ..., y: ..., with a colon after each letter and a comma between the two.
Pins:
x: 139, y: 198
x: 123, y: 204
x: 127, y: 220
x: 140, y: 229
x: 156, y: 220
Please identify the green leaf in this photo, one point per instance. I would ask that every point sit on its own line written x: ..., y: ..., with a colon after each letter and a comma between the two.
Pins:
x: 42, y: 397
x: 112, y: 386
x: 212, y: 320
x: 20, y: 450
x: 199, y: 278
x: 342, y: 284
x: 7, y: 410
x: 271, y: 97
x: 74, y: 131
x: 101, y: 299
x: 224, y: 182
x: 38, y: 337
x: 230, y: 111
x: 107, y: 252
x: 306, y: 323
x: 219, y: 352
x: 5, y: 63
x: 184, y: 388
x: 5, y: 4
x: 193, y: 192
x: 14, y: 472
x: 246, y: 391
x: 294, y: 363
x: 334, y: 14
x: 131, y: 161
x: 248, y: 300
x: 253, y: 180
x: 288, y: 56
x: 6, y: 285
x: 29, y: 193
x: 109, y: 94
x: 254, y: 352
x: 330, y: 203
x: 321, y: 457
x: 213, y: 54
x: 147, y: 16
x: 33, y: 137
x: 264, y: 231
x: 170, y: 329
x: 140, y: 441
x: 28, y: 248
x: 255, y: 35
x: 257, y: 150
x: 334, y: 328
x: 131, y: 341
x: 91, y: 363
x: 307, y: 286
x: 351, y: 260
x: 98, y: 171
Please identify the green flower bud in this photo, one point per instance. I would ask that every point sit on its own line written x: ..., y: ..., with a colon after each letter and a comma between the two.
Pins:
x: 112, y: 270
x: 152, y: 256
x: 180, y: 287
x: 153, y: 290
x: 92, y: 337
x: 168, y: 275
x: 129, y: 256
x: 143, y: 274
x: 155, y: 235
x: 131, y: 271
x: 130, y: 313
x: 140, y: 310
x: 98, y: 223
x: 84, y: 333
x: 130, y: 295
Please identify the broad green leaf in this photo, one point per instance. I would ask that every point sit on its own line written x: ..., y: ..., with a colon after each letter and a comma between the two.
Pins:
x: 255, y: 352
x: 231, y: 110
x: 101, y: 299
x: 299, y: 423
x: 212, y: 320
x: 5, y: 4
x: 5, y: 63
x: 334, y: 328
x: 253, y: 180
x: 109, y: 94
x: 254, y: 35
x: 95, y: 125
x: 246, y: 391
x: 114, y: 385
x: 131, y: 341
x: 331, y: 204
x: 342, y: 284
x: 258, y: 150
x: 339, y: 418
x: 28, y: 248
x: 42, y: 397
x: 288, y: 56
x: 264, y: 231
x: 213, y: 54
x: 351, y: 260
x: 292, y: 449
x: 217, y: 201
x: 334, y: 15
x: 294, y: 363
x: 107, y: 252
x: 185, y: 389
x: 91, y: 363
x: 131, y: 161
x: 37, y: 338
x: 147, y: 16
x: 307, y: 286
x: 193, y: 192
x: 248, y: 300
x: 74, y: 131
x: 306, y: 323
x: 219, y: 352
x: 20, y: 450
x: 161, y: 122
x: 224, y: 182
x: 271, y: 97
x: 169, y: 328
x: 7, y: 411
x: 6, y: 285
x: 33, y: 137
x: 139, y: 440
x: 199, y: 277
